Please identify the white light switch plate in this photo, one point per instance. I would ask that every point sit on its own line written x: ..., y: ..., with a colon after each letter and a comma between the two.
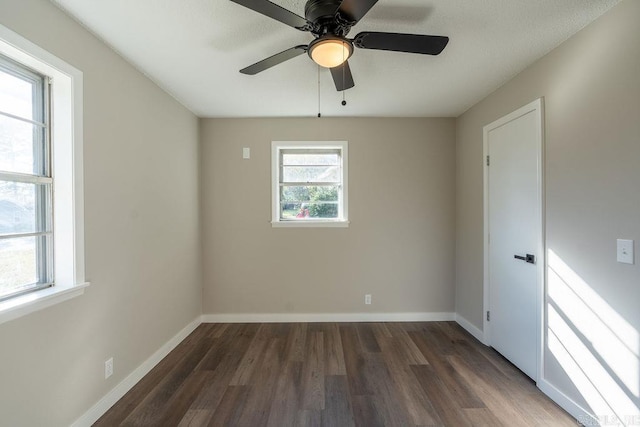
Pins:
x: 246, y: 153
x: 625, y: 251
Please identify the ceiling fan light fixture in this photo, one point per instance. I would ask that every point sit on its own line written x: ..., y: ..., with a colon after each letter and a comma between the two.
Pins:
x: 330, y: 51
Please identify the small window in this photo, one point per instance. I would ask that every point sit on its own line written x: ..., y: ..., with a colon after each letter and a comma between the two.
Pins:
x: 309, y: 184
x: 26, y: 236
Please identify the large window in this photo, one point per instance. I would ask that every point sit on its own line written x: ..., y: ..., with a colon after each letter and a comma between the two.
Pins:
x: 41, y: 191
x: 26, y: 256
x: 309, y: 184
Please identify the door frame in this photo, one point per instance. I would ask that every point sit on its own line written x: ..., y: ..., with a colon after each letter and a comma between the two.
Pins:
x: 537, y: 107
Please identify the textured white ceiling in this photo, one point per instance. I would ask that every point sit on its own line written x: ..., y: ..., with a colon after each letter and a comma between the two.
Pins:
x: 194, y: 48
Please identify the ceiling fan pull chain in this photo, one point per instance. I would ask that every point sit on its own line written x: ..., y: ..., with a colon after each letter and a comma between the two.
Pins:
x: 344, y: 66
x: 319, y: 115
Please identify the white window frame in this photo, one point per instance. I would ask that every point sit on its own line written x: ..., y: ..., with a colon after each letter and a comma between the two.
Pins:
x: 40, y: 178
x: 343, y: 218
x: 67, y: 173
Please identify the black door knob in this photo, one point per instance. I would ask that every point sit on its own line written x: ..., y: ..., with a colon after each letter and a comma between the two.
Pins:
x: 531, y: 259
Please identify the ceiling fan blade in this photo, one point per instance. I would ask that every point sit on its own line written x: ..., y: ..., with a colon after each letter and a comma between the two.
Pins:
x: 276, y: 59
x: 354, y: 10
x: 412, y: 43
x: 342, y: 76
x: 276, y: 12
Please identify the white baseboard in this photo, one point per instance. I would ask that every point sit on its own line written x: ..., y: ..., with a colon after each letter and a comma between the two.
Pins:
x: 471, y: 328
x: 325, y: 317
x: 103, y: 405
x: 576, y: 411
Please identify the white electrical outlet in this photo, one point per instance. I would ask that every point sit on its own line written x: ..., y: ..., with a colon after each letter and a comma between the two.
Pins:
x: 367, y: 299
x: 246, y: 153
x: 108, y: 368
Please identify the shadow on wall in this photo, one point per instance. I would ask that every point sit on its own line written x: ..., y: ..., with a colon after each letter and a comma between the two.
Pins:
x: 598, y: 349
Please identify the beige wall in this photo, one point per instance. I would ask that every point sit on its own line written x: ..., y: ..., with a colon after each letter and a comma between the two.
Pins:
x: 399, y: 246
x: 141, y: 237
x: 591, y: 87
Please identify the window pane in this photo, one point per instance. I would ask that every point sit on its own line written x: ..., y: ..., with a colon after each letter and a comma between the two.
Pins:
x: 21, y: 146
x: 309, y: 193
x: 18, y: 262
x: 310, y: 174
x: 19, y: 206
x: 302, y: 202
x: 310, y: 210
x: 16, y: 95
x: 303, y: 159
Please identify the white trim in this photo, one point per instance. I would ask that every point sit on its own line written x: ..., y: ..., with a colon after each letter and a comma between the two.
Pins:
x: 103, y: 405
x: 567, y: 404
x: 276, y: 146
x: 325, y: 317
x: 486, y: 331
x: 67, y: 172
x: 28, y: 303
x: 536, y: 106
x: 310, y: 224
x: 471, y: 328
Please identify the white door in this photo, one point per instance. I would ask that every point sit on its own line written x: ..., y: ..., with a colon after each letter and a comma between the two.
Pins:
x: 513, y: 189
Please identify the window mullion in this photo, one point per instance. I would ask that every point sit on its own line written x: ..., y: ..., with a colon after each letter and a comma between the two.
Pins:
x: 25, y: 178
x: 308, y: 184
x: 22, y: 119
x: 20, y: 235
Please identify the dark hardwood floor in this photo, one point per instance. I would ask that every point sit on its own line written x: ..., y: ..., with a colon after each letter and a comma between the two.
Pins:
x: 334, y: 374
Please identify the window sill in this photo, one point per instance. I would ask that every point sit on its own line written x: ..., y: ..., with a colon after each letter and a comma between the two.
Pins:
x: 309, y: 224
x: 34, y: 301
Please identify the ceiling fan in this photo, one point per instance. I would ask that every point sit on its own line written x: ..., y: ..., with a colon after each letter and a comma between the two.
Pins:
x: 329, y: 21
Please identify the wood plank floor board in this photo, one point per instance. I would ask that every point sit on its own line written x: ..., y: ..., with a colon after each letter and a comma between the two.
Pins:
x: 334, y: 374
x: 365, y: 412
x: 381, y: 331
x: 180, y: 402
x: 444, y: 345
x: 500, y: 402
x: 313, y: 373
x: 455, y: 384
x: 195, y: 418
x: 251, y: 357
x: 354, y: 361
x: 411, y: 352
x: 388, y: 402
x: 151, y: 408
x: 333, y: 353
x: 226, y: 364
x: 442, y: 400
x: 367, y: 338
x: 261, y: 393
x: 230, y: 408
x: 338, y: 410
x: 553, y: 414
x: 309, y: 418
x: 482, y: 417
x: 416, y: 401
x: 236, y: 333
x: 286, y: 401
x: 295, y: 344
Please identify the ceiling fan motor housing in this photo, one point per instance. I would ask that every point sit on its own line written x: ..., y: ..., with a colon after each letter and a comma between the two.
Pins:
x: 326, y: 18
